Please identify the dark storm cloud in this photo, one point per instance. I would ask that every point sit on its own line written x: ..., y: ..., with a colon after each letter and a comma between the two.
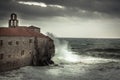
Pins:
x: 9, y: 6
x: 110, y: 7
x: 106, y: 6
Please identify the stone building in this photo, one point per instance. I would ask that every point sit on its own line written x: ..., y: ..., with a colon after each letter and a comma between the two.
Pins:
x: 22, y: 46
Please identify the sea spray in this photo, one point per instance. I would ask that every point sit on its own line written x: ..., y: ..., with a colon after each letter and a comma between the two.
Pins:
x: 64, y: 54
x: 62, y: 51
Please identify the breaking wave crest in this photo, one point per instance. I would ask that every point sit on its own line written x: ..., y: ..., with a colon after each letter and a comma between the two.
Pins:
x: 64, y: 54
x: 62, y: 51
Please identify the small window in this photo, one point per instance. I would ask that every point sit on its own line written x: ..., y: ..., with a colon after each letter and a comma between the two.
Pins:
x: 17, y: 42
x: 22, y: 52
x: 1, y: 42
x: 10, y: 43
x: 30, y: 52
x: 9, y: 56
x: 30, y: 40
x: 1, y: 56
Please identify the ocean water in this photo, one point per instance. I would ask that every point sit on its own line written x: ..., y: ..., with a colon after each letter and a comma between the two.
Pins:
x: 76, y: 59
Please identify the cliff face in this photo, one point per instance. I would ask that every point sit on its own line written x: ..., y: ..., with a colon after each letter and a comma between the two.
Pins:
x: 44, y: 51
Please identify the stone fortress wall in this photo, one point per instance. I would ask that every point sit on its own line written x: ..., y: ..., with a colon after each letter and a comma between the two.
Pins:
x: 16, y: 51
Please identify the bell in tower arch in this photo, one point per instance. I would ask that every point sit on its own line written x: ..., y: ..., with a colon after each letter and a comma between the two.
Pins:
x: 13, y: 22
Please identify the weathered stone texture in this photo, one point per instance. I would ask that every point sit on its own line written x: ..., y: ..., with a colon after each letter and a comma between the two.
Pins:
x: 22, y: 51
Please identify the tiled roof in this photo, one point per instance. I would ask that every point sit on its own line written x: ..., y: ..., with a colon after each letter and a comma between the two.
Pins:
x: 19, y: 31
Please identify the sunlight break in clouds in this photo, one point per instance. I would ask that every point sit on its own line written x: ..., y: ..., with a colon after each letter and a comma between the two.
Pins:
x: 33, y: 3
x: 41, y: 4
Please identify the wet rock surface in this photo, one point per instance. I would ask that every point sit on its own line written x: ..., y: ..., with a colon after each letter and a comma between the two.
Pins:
x: 44, y: 52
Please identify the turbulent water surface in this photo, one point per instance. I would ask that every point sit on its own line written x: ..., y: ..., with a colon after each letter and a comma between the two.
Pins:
x: 76, y: 59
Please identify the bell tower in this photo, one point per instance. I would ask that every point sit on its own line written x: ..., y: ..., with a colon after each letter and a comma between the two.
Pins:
x: 13, y: 22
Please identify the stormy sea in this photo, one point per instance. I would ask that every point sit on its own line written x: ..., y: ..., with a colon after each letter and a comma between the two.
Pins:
x: 76, y: 59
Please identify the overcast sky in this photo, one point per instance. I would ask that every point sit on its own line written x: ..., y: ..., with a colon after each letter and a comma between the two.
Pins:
x: 67, y: 18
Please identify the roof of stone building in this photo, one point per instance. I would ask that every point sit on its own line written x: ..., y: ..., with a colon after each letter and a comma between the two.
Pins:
x: 49, y: 38
x: 20, y: 31
x: 33, y: 27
